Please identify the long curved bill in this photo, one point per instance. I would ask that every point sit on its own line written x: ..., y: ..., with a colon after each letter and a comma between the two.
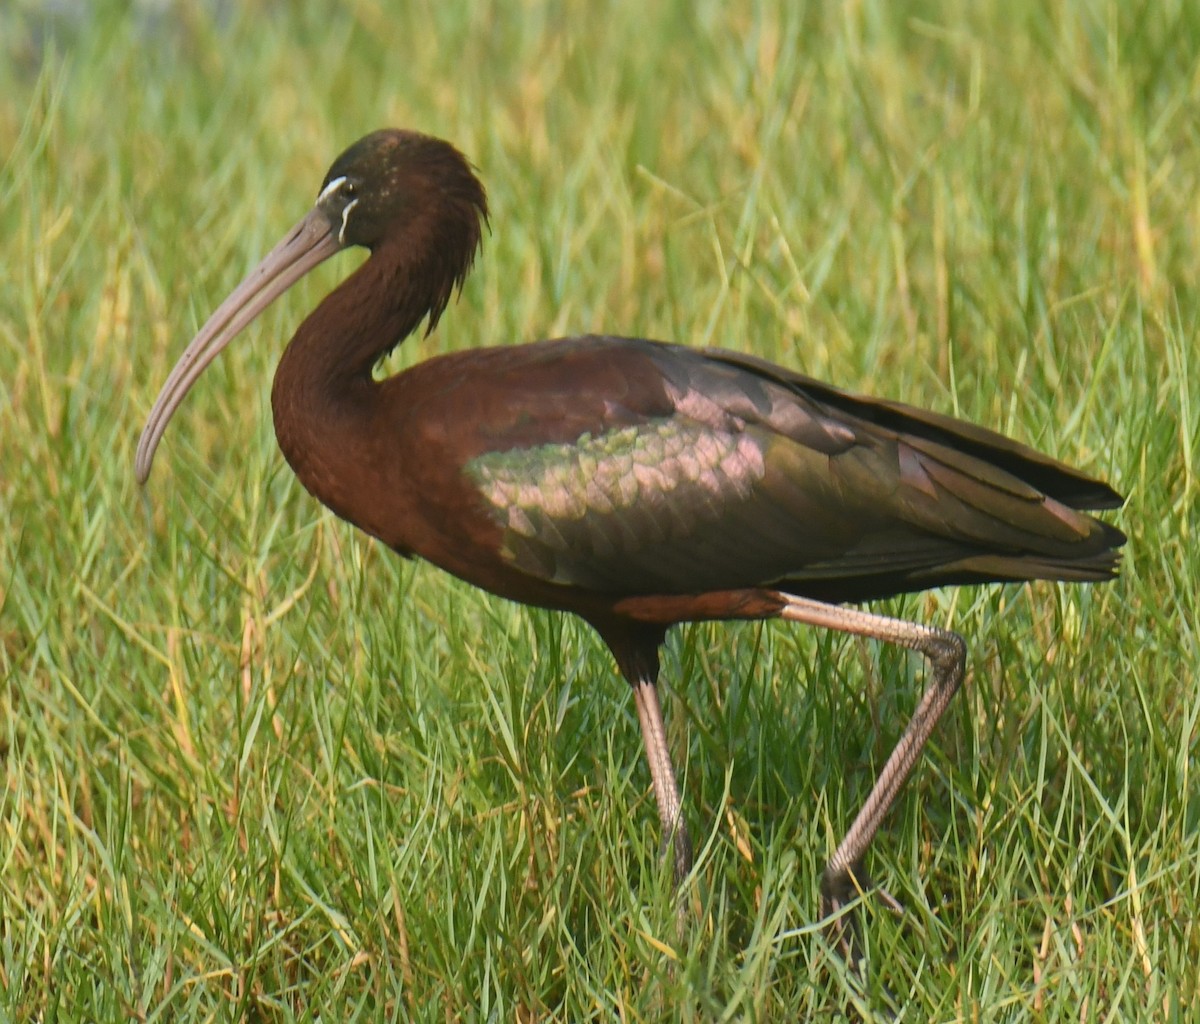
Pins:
x: 310, y: 242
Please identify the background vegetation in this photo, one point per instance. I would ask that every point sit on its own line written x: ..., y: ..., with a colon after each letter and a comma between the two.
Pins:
x: 255, y: 767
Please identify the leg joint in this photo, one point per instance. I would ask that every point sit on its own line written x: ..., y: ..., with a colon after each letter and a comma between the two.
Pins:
x: 947, y: 651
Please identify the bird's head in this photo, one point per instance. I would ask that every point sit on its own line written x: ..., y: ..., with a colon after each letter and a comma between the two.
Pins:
x: 410, y: 193
x: 391, y: 180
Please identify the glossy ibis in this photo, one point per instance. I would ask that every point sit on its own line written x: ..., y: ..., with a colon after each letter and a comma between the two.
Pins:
x: 635, y: 483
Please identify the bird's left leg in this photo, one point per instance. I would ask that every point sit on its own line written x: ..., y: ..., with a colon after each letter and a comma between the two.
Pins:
x: 844, y: 876
x: 635, y: 641
x: 662, y: 774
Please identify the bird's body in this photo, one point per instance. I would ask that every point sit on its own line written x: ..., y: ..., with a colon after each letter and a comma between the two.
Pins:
x: 635, y: 483
x: 578, y: 473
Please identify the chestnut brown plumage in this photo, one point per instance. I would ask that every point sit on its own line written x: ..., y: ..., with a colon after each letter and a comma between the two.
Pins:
x: 635, y: 483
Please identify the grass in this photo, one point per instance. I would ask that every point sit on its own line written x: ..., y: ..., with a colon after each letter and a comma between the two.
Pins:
x: 257, y: 768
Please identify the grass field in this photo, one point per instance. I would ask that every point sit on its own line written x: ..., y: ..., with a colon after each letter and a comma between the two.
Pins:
x: 256, y: 767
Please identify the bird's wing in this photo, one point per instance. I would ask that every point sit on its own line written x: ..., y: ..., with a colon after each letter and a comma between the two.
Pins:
x: 1052, y: 477
x: 742, y: 479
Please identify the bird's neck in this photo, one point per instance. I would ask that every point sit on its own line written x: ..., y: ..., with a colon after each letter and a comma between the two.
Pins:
x: 355, y: 325
x: 324, y: 395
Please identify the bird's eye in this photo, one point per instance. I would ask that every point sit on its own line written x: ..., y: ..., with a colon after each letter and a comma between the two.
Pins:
x: 349, y: 189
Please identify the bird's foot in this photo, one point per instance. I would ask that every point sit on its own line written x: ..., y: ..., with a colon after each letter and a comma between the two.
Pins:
x: 678, y: 846
x: 838, y: 892
x: 843, y: 922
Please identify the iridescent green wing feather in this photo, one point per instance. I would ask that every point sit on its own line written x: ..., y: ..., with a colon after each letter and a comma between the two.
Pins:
x: 616, y: 510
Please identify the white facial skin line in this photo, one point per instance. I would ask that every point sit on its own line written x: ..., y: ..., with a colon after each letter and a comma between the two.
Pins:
x: 329, y: 189
x: 345, y: 217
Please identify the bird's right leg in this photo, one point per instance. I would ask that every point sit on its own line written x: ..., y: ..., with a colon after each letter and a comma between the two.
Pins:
x: 844, y: 876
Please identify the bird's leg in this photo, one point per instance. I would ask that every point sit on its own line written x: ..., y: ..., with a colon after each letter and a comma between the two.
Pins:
x: 844, y: 876
x: 662, y: 774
